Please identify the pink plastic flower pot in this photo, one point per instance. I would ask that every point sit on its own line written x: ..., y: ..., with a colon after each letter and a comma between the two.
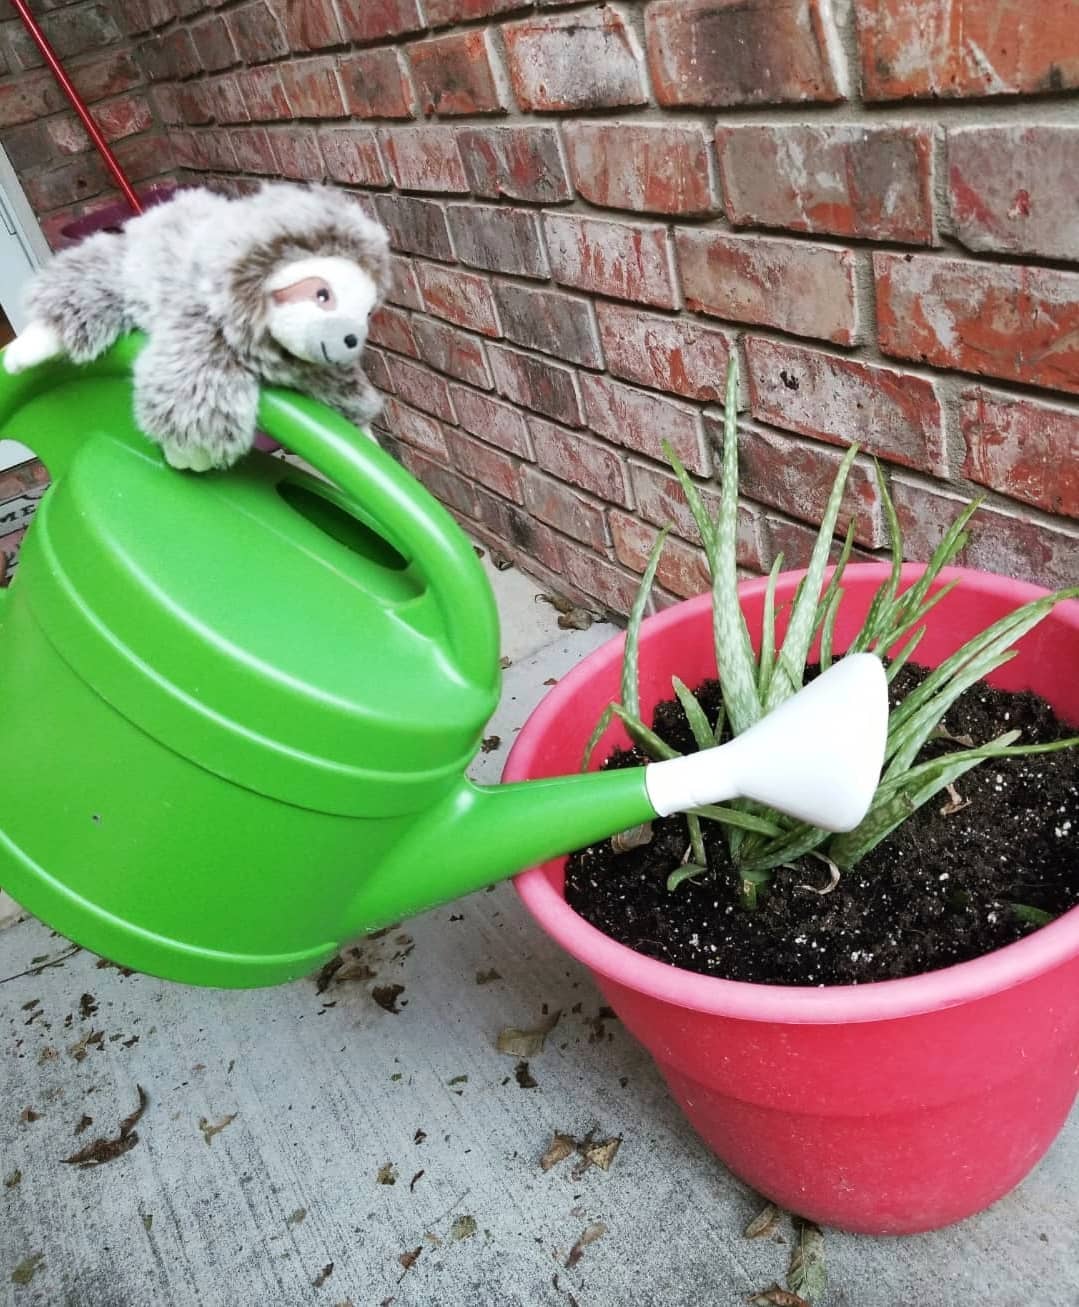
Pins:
x: 887, y: 1108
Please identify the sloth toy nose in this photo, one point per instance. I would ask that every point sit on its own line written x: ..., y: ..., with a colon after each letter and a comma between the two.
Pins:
x: 350, y: 341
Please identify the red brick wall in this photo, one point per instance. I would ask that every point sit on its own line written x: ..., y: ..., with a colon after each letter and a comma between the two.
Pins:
x: 874, y: 202
x: 99, y: 42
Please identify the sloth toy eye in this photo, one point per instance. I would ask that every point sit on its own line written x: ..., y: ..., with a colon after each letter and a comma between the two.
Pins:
x: 322, y: 295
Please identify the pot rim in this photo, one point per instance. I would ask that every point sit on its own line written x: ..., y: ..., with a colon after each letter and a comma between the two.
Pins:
x: 1047, y: 948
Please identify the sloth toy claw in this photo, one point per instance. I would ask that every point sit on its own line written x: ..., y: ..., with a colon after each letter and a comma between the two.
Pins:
x: 276, y: 286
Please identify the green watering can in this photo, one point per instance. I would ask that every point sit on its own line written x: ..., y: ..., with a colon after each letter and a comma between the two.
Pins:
x: 238, y: 707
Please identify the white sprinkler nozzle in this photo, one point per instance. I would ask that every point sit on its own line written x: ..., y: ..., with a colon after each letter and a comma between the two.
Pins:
x: 817, y: 757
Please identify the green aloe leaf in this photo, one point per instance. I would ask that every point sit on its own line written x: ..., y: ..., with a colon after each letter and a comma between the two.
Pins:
x: 630, y: 693
x: 767, y: 659
x: 734, y: 653
x: 695, y: 714
x: 792, y: 659
x: 737, y: 818
x: 597, y: 734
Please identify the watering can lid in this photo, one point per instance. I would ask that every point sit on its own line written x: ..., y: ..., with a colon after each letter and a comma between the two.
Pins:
x: 333, y: 644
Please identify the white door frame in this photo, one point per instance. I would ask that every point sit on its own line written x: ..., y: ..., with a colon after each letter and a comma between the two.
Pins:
x: 19, y: 225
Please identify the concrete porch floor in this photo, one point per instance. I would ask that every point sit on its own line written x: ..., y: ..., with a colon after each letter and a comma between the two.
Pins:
x: 296, y: 1145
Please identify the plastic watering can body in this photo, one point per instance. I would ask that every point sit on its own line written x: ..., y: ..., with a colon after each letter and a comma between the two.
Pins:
x: 238, y: 707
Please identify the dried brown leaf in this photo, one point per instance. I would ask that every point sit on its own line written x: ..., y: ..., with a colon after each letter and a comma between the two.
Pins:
x: 956, y: 802
x: 490, y: 743
x: 386, y: 997
x: 463, y: 1228
x: 763, y: 1223
x: 524, y: 1076
x: 526, y: 1043
x: 100, y: 1151
x: 409, y: 1259
x: 602, y: 1154
x: 590, y: 1234
x: 323, y: 1275
x: 634, y: 838
x: 776, y: 1297
x: 387, y: 1173
x: 561, y: 1147
x: 208, y: 1130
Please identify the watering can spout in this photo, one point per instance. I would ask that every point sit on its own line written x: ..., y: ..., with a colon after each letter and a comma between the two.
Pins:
x: 816, y: 758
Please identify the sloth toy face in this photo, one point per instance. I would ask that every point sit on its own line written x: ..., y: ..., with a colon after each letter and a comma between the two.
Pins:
x: 318, y: 309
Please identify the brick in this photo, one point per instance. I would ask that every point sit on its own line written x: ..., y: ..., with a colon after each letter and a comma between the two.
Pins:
x: 639, y: 420
x: 417, y: 429
x: 254, y: 151
x: 1001, y: 320
x: 1005, y: 543
x: 891, y: 414
x: 872, y: 182
x: 549, y: 321
x: 392, y: 329
x: 660, y: 500
x: 421, y: 387
x: 1022, y: 448
x: 491, y: 420
x: 376, y: 84
x: 796, y: 541
x: 525, y: 540
x: 405, y: 289
x: 454, y: 352
x: 563, y: 508
x: 263, y: 94
x: 71, y: 182
x: 312, y: 89
x: 682, y: 568
x: 298, y: 156
x: 1016, y: 189
x: 374, y: 365
x: 416, y: 226
x: 647, y: 167
x: 213, y: 44
x: 808, y: 290
x: 117, y: 119
x: 143, y: 156
x: 728, y: 52
x: 622, y: 260
x: 225, y: 99
x: 352, y: 155
x: 515, y: 163
x: 424, y: 159
x: 455, y: 74
x: 490, y: 467
x: 498, y: 238
x: 311, y: 25
x: 375, y: 20
x: 197, y: 103
x: 677, y: 355
x: 440, y: 13
x: 586, y: 60
x: 953, y: 48
x: 797, y: 476
x: 110, y: 74
x: 536, y: 383
x: 78, y: 30
x: 29, y: 98
x: 614, y: 588
x: 581, y: 460
x: 462, y: 298
x: 256, y: 34
x: 445, y: 485
x: 34, y: 145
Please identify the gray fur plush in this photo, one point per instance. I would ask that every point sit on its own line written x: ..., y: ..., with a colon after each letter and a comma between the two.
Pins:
x: 192, y: 274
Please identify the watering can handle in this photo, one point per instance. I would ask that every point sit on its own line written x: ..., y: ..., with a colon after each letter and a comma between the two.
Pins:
x: 394, y: 503
x: 400, y: 509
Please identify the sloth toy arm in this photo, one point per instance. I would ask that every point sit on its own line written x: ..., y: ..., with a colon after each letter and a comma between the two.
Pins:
x: 193, y: 396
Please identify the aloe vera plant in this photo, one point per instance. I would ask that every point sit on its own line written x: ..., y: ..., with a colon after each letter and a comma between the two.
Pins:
x: 759, y: 840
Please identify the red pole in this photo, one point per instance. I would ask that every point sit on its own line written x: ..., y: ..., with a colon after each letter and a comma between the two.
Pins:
x: 66, y: 85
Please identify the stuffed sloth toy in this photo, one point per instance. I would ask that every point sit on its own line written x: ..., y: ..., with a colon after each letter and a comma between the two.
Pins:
x: 276, y: 286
